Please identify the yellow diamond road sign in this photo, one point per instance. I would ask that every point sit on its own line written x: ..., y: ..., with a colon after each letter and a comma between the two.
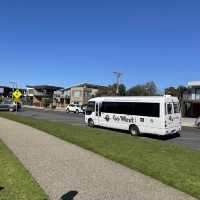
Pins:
x: 17, y: 94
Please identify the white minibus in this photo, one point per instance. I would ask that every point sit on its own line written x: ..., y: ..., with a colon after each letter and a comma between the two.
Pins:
x: 158, y: 115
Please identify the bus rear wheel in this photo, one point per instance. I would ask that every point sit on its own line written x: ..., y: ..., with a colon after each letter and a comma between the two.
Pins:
x: 91, y: 123
x: 134, y: 130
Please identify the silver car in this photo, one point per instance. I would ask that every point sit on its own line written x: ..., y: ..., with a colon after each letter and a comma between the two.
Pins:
x: 7, y: 106
x: 197, y: 122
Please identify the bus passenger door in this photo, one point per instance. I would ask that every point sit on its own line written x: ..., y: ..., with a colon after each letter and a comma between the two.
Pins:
x: 96, y: 114
x: 169, y: 115
x: 100, y: 115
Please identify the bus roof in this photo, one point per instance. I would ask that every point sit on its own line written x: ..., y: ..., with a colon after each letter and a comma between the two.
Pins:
x: 136, y: 98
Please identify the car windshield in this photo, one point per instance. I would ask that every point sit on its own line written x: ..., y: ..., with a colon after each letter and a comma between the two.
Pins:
x: 90, y: 107
x: 7, y: 102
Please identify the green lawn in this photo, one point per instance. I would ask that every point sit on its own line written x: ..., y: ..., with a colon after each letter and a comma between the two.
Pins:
x: 172, y: 164
x: 15, y: 181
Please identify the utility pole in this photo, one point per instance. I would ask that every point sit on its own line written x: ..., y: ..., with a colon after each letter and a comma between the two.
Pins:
x: 14, y: 84
x: 118, y: 75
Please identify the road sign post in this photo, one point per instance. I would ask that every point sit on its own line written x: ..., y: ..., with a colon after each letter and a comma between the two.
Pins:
x: 17, y: 94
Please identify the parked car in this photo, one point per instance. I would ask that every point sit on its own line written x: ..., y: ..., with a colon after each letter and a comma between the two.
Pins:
x: 74, y: 108
x: 197, y: 122
x: 83, y: 107
x: 9, y: 105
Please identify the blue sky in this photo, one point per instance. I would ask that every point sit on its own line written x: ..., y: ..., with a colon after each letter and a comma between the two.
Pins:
x: 67, y: 42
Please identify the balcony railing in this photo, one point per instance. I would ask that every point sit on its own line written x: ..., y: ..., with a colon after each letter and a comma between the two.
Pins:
x: 38, y: 93
x: 192, y: 97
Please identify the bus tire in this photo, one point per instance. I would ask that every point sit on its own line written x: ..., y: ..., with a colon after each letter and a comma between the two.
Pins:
x: 134, y: 130
x: 198, y: 125
x: 91, y: 123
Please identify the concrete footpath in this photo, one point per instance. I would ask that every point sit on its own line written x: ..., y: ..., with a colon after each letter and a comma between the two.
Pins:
x: 60, y: 167
x: 189, y: 122
x: 59, y: 109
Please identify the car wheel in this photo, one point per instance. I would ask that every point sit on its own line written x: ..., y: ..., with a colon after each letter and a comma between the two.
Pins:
x: 11, y: 109
x: 91, y: 123
x: 67, y: 110
x: 134, y: 130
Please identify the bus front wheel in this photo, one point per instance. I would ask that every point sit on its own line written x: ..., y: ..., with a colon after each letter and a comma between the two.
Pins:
x: 134, y: 130
x: 90, y: 123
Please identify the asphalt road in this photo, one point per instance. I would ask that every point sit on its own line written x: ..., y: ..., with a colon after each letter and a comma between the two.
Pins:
x: 189, y: 137
x: 69, y: 118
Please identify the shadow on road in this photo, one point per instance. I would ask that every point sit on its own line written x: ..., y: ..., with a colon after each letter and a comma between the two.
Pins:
x: 69, y: 196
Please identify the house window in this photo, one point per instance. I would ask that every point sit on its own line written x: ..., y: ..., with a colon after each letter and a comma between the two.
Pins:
x: 198, y: 94
x: 88, y: 94
x: 77, y: 93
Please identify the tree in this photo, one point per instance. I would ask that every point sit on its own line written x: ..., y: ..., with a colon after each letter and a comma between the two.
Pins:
x: 177, y: 92
x: 111, y: 90
x: 46, y: 102
x: 151, y: 88
x: 171, y: 91
x: 181, y: 91
x: 147, y: 89
x: 122, y: 89
x: 104, y: 91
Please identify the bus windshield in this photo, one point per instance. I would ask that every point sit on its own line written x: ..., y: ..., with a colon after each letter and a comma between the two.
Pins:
x: 90, y: 108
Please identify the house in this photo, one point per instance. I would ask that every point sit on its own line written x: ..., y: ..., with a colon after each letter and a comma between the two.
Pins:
x: 35, y: 94
x: 191, y: 102
x: 76, y: 94
x: 61, y: 98
x: 6, y: 91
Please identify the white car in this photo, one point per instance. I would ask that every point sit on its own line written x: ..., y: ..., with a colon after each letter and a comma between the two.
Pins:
x: 197, y: 122
x: 74, y: 108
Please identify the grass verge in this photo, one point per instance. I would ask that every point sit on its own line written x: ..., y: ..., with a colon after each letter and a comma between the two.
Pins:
x: 15, y: 181
x: 174, y: 165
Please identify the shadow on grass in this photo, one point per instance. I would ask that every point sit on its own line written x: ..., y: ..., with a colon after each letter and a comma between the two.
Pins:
x: 161, y: 137
x: 69, y: 196
x: 146, y: 135
x: 1, y: 188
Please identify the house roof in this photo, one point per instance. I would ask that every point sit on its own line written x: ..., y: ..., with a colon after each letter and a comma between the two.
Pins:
x: 88, y: 85
x: 48, y: 87
x: 2, y: 86
x: 194, y: 83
